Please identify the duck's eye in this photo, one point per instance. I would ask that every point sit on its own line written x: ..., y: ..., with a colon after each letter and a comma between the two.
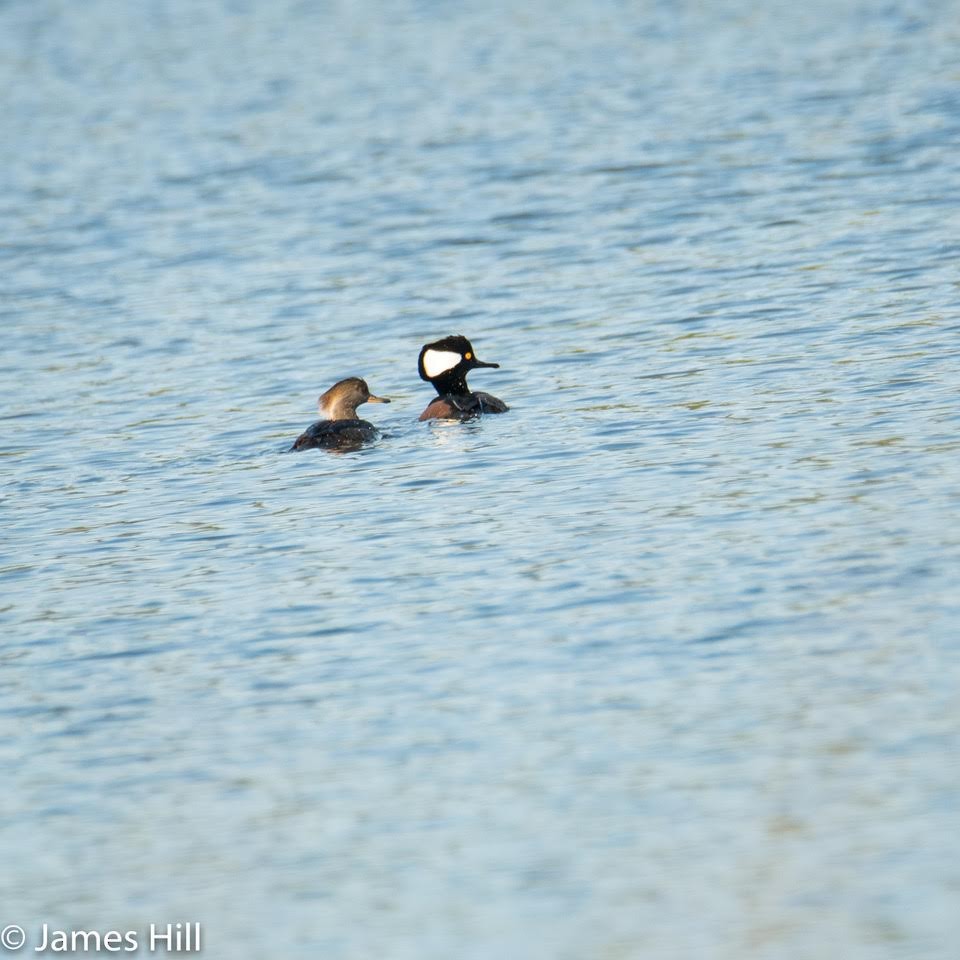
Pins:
x: 468, y: 356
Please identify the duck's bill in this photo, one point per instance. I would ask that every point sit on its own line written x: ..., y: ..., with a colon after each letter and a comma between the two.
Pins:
x: 483, y: 363
x: 373, y: 399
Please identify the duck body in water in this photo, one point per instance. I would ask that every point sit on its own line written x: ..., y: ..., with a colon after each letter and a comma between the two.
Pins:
x: 341, y: 428
x: 445, y: 363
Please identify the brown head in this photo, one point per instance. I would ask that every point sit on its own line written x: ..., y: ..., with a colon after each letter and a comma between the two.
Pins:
x: 340, y: 402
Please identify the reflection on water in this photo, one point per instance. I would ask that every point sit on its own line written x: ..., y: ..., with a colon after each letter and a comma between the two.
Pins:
x: 663, y: 662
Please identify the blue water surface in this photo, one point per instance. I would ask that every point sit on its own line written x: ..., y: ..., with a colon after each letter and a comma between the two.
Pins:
x: 661, y: 664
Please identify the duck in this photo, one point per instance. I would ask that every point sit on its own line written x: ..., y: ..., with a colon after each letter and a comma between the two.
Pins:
x: 340, y: 428
x: 445, y: 363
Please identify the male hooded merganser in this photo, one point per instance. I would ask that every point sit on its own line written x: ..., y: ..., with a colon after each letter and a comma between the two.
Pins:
x: 340, y: 427
x: 446, y: 363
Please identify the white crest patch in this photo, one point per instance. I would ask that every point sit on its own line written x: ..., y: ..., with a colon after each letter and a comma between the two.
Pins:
x: 436, y: 362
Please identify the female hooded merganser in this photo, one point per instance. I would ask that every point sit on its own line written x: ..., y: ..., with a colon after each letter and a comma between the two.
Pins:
x: 340, y: 427
x: 446, y: 363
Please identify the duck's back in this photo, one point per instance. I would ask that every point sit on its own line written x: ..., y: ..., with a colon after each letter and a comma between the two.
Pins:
x: 332, y: 434
x: 463, y: 406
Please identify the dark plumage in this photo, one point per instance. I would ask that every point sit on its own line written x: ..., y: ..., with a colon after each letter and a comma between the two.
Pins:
x: 336, y: 434
x: 341, y: 429
x: 453, y: 407
x: 445, y: 363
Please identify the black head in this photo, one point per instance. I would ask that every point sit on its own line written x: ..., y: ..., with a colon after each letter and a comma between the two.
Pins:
x: 445, y: 363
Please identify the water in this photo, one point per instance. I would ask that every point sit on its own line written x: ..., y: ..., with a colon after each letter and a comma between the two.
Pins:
x: 664, y: 662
